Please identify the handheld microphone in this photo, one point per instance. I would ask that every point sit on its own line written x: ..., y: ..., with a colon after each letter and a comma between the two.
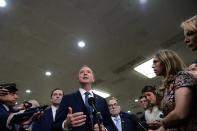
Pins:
x: 92, y: 103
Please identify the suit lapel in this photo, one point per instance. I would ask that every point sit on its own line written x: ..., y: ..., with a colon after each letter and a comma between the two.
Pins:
x: 115, y: 128
x: 123, y: 124
x: 50, y: 115
x: 3, y: 108
x: 96, y: 97
x: 80, y: 104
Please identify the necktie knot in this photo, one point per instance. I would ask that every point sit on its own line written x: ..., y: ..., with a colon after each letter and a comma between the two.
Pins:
x: 87, y: 94
x: 116, y: 119
x: 86, y: 102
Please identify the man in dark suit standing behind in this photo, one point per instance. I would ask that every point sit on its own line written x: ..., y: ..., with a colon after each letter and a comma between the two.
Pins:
x: 74, y: 112
x: 45, y: 123
x: 121, y: 121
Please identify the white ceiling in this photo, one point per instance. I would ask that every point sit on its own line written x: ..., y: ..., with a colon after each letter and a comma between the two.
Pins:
x: 40, y: 35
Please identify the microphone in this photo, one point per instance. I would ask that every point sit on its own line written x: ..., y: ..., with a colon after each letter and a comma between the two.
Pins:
x: 92, y: 103
x: 135, y: 119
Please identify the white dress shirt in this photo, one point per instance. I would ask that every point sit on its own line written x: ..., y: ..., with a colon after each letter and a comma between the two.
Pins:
x: 54, y: 109
x: 153, y: 115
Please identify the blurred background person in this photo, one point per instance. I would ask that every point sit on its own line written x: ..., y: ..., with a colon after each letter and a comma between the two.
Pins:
x: 193, y: 69
x: 144, y: 103
x: 190, y: 32
x: 122, y: 121
x: 179, y: 92
x: 45, y: 123
x: 153, y: 112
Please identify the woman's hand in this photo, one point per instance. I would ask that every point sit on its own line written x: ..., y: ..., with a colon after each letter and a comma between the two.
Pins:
x: 154, y: 125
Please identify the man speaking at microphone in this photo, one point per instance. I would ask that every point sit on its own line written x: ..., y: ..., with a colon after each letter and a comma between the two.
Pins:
x: 75, y: 114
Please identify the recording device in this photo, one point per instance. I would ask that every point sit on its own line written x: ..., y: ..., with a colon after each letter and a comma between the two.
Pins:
x: 27, y: 114
x: 92, y: 103
x: 36, y: 109
x: 27, y: 104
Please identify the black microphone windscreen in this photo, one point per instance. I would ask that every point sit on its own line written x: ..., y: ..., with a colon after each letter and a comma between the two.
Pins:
x: 91, y: 101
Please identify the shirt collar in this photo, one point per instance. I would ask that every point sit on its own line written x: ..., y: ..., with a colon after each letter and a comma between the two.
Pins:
x: 53, y: 107
x: 82, y: 92
x: 113, y: 118
x: 7, y: 108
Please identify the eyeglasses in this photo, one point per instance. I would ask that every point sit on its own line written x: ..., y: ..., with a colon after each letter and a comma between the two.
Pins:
x: 115, y: 104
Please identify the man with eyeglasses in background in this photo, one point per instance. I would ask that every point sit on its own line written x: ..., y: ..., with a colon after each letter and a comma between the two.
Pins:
x: 122, y: 121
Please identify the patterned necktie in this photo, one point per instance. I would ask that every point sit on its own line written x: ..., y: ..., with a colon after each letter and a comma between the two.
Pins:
x: 118, y: 124
x: 86, y: 102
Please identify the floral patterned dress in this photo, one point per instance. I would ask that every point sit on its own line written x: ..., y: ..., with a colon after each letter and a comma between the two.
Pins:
x: 182, y: 79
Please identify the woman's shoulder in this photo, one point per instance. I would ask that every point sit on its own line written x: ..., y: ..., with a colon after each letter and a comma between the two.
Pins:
x: 184, y: 79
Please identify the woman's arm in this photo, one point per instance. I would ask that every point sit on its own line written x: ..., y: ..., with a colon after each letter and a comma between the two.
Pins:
x: 183, y: 100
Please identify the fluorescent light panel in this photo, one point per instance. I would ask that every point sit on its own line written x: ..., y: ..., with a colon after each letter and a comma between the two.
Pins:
x: 102, y: 94
x: 146, y: 69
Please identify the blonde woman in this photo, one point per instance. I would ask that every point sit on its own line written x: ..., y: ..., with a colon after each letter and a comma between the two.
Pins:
x: 190, y: 32
x: 179, y: 92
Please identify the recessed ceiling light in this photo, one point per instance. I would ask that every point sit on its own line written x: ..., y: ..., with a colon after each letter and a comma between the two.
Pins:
x: 48, y: 73
x: 28, y: 91
x: 81, y: 44
x: 102, y: 94
x: 2, y: 3
x: 146, y: 69
x: 143, y: 1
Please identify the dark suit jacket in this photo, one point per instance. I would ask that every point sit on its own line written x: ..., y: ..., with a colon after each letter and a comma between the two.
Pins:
x: 143, y: 120
x: 75, y: 101
x: 3, y: 119
x: 126, y: 122
x: 45, y: 123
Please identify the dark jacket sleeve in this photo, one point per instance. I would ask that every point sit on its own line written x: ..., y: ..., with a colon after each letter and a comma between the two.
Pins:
x: 3, y: 119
